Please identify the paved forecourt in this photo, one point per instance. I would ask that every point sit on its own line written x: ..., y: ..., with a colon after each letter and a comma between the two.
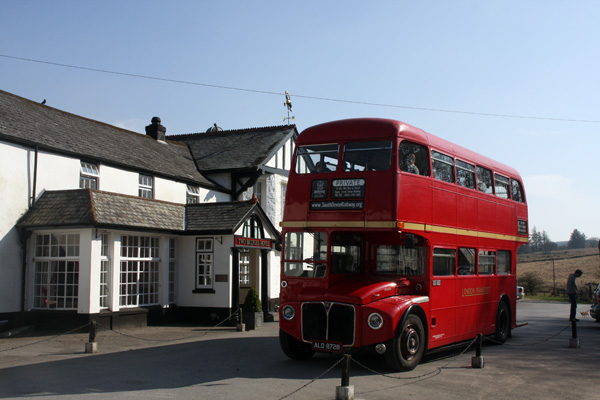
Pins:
x: 186, y: 362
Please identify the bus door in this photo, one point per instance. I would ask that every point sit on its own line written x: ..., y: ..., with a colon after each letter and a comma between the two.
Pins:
x: 467, y: 294
x: 442, y: 297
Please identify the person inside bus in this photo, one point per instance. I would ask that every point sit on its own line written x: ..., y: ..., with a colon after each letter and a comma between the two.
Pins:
x: 412, y: 168
x: 321, y: 167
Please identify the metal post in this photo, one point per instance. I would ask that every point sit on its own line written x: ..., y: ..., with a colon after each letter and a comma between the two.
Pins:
x: 93, y: 329
x: 574, y: 341
x: 346, y: 371
x: 92, y: 346
x: 477, y: 360
x: 345, y: 391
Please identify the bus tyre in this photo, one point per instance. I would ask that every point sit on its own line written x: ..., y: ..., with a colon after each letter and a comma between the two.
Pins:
x: 293, y: 348
x: 502, y: 323
x: 407, y: 348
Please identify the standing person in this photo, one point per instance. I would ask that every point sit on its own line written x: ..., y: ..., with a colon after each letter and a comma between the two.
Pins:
x: 572, y: 293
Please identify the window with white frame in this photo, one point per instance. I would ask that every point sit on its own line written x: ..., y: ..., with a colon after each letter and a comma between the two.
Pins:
x: 56, y: 263
x: 244, y: 268
x: 193, y: 194
x: 146, y: 188
x: 104, y: 270
x: 172, y: 269
x: 88, y: 176
x: 204, y: 263
x: 139, y: 271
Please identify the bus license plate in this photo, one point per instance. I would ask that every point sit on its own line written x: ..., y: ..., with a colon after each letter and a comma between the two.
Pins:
x: 322, y: 345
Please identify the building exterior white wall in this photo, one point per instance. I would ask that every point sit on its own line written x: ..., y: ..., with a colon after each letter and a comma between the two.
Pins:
x: 15, y: 188
x: 60, y: 172
x: 186, y: 277
x: 283, y: 158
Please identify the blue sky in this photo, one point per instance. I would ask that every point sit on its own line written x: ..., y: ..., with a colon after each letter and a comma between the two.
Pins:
x: 338, y: 59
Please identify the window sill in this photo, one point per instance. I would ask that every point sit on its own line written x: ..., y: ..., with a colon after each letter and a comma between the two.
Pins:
x: 203, y: 291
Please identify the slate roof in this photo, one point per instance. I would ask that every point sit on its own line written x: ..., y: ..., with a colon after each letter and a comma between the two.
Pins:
x: 245, y: 149
x: 30, y: 123
x: 223, y: 218
x: 88, y: 207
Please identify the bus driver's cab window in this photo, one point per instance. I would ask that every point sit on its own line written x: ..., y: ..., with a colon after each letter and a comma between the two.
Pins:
x: 413, y: 158
x: 345, y: 253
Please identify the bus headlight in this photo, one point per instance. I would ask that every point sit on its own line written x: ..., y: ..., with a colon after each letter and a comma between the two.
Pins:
x: 375, y: 321
x: 288, y: 312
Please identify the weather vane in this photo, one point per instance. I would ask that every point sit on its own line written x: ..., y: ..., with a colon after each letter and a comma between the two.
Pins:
x: 288, y: 105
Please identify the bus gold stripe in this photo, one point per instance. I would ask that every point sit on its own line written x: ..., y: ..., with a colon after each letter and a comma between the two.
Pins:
x: 407, y: 226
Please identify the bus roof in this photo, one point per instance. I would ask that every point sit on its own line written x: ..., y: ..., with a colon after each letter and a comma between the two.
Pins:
x: 378, y: 128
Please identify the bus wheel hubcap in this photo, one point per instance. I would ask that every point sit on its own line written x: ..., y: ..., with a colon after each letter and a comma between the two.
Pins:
x: 411, y: 341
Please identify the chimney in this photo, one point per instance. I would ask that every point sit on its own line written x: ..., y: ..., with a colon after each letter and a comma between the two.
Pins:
x: 156, y: 130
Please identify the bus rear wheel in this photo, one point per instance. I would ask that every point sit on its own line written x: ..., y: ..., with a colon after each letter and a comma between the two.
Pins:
x: 407, y: 348
x: 293, y: 348
x: 502, y: 323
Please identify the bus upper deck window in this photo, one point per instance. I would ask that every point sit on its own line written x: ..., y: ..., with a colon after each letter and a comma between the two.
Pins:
x: 465, y: 174
x: 367, y: 156
x: 443, y: 166
x: 502, y: 187
x: 517, y: 191
x: 317, y: 158
x: 413, y: 158
x: 484, y: 180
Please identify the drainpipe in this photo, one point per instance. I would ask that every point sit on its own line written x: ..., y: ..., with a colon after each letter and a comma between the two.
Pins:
x: 35, y: 167
x: 24, y: 237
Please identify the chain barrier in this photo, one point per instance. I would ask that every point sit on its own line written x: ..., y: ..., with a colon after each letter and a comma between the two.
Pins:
x: 46, y: 339
x: 489, y: 339
x: 205, y: 332
x: 422, y: 377
x: 314, y: 379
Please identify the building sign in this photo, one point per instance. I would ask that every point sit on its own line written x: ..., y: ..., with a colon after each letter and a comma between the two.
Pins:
x: 337, y: 205
x: 252, y: 243
x: 319, y: 189
x: 348, y: 188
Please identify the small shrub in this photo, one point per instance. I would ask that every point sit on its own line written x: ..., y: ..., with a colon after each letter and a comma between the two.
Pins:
x: 531, y: 282
x: 252, y: 302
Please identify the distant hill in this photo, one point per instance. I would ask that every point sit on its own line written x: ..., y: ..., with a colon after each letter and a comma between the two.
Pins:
x: 554, y: 267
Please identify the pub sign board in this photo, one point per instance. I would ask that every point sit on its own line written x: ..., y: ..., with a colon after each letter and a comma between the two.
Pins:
x: 252, y: 243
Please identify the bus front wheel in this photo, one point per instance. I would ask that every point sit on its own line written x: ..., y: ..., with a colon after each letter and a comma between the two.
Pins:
x: 407, y: 348
x: 293, y: 348
x: 502, y: 323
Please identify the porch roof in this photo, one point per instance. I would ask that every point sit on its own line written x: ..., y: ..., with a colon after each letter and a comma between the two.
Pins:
x: 95, y: 208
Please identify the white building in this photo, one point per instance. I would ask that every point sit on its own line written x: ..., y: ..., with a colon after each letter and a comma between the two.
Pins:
x: 100, y: 223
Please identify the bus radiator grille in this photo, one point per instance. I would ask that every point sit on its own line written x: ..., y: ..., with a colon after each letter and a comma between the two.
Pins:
x: 335, y: 325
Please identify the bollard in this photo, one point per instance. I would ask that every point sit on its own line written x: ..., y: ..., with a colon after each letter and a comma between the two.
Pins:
x: 92, y: 346
x: 477, y: 360
x: 574, y: 341
x: 345, y: 391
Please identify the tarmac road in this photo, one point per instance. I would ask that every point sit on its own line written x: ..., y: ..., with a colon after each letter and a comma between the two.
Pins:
x: 189, y: 362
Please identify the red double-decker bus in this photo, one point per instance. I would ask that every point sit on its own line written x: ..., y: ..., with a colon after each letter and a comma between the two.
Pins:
x: 397, y: 239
